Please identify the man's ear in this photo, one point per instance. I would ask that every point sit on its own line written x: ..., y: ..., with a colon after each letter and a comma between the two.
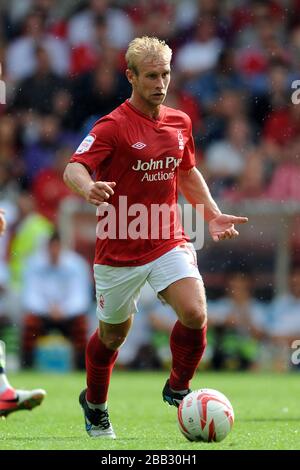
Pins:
x: 129, y: 75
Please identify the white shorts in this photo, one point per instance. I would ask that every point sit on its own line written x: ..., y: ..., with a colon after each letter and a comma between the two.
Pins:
x: 118, y: 288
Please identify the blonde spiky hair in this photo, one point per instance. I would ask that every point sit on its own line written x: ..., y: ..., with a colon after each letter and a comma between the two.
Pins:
x: 143, y: 47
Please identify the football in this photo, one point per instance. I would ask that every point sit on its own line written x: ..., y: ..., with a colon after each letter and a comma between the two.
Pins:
x: 205, y: 415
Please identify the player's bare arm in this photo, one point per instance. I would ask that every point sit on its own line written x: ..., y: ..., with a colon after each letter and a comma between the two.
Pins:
x: 78, y: 179
x: 194, y: 188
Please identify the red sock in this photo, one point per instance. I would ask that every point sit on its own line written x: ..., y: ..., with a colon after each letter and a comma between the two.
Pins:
x: 187, y: 347
x: 99, y: 365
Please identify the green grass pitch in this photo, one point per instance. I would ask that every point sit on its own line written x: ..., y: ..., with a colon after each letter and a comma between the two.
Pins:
x: 267, y: 413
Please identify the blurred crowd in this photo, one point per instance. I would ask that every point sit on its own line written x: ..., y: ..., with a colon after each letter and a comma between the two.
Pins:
x: 62, y: 64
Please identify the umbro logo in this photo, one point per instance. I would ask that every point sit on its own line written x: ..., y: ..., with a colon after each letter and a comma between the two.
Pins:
x: 139, y: 145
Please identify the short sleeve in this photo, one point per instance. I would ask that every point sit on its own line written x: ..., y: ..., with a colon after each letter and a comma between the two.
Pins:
x: 188, y: 160
x: 98, y: 145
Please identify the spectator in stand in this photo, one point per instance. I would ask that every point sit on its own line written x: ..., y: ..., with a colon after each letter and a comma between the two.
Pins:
x: 259, y: 39
x: 8, y: 139
x: 5, y: 317
x: 202, y: 53
x: 9, y: 209
x: 285, y: 311
x: 106, y: 90
x: 251, y: 183
x: 31, y: 230
x: 37, y: 91
x: 17, y: 12
x: 62, y: 110
x: 39, y: 154
x: 188, y: 12
x: 56, y: 295
x: 86, y: 56
x: 295, y: 47
x: 207, y: 87
x: 8, y: 186
x: 225, y: 160
x: 81, y: 25
x: 21, y: 61
x: 273, y: 97
x: 48, y: 187
x: 11, y: 214
x: 237, y: 321
x: 158, y: 16
x: 229, y: 104
x: 284, y: 322
x: 285, y: 185
x: 282, y: 125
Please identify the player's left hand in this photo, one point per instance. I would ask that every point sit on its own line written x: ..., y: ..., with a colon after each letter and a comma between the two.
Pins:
x: 221, y: 227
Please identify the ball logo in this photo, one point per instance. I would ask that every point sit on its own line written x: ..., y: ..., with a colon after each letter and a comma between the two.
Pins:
x: 189, y: 402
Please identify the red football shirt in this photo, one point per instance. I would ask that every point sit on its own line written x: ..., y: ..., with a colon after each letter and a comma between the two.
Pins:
x: 142, y: 155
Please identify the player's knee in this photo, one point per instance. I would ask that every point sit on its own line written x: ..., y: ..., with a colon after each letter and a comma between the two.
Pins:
x: 194, y: 317
x: 113, y: 342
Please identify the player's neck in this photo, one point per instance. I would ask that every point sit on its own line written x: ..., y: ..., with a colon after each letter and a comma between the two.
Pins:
x: 150, y: 111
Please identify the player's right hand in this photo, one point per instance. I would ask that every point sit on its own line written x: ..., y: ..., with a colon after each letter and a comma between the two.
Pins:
x: 98, y: 192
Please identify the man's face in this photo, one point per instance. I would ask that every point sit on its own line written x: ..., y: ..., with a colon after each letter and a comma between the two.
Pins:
x: 151, y: 83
